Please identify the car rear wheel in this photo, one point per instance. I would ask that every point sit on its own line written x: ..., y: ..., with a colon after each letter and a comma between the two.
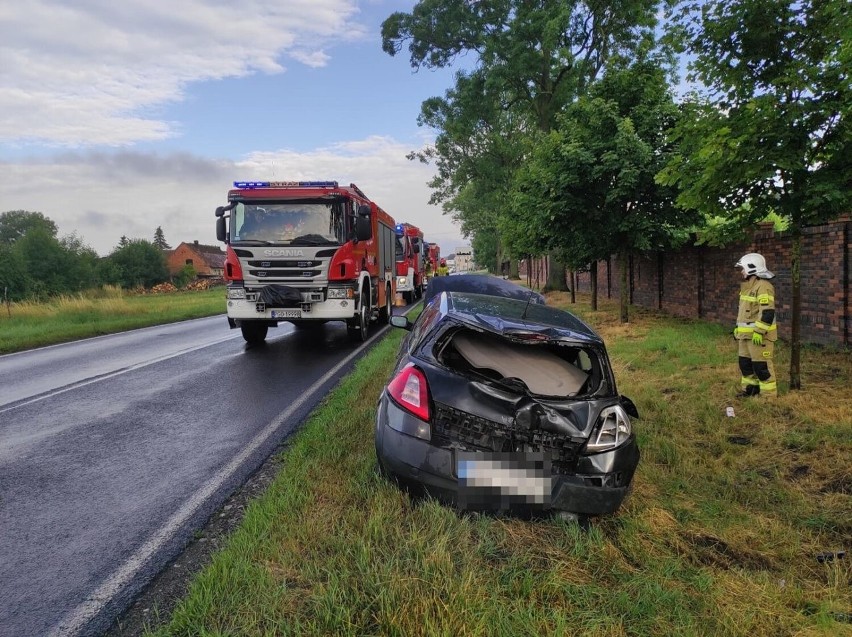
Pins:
x: 254, y: 332
x: 358, y: 325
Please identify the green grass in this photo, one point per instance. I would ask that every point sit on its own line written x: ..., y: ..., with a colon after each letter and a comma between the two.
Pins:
x: 27, y: 325
x: 718, y: 537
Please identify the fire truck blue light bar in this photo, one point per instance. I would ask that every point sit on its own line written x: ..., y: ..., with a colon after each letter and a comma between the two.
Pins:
x: 284, y: 184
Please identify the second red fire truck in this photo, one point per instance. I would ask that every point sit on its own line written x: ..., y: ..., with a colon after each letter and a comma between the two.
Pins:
x: 410, y: 262
x: 306, y: 252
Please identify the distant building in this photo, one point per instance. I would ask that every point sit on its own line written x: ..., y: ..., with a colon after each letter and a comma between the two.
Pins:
x: 208, y: 261
x: 464, y: 259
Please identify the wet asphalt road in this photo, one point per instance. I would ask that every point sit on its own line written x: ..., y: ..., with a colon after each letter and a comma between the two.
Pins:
x: 114, y: 450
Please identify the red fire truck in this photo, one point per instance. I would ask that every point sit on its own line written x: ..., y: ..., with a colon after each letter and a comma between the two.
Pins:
x: 306, y: 252
x: 410, y: 261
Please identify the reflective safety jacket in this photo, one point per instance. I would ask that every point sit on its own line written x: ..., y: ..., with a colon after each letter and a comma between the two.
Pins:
x: 757, y: 310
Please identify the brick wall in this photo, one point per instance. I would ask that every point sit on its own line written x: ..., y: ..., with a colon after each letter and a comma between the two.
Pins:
x: 701, y: 281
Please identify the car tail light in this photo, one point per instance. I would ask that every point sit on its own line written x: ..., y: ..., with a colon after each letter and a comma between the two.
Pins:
x: 410, y: 391
x: 612, y: 430
x: 233, y: 269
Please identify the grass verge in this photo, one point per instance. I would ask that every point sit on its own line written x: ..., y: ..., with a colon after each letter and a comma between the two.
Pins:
x: 728, y: 530
x: 27, y: 325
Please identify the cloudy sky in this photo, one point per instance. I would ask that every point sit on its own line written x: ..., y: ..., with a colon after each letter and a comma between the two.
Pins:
x: 118, y: 117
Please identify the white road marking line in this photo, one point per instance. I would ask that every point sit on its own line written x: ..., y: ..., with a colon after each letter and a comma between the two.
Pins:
x: 77, y: 619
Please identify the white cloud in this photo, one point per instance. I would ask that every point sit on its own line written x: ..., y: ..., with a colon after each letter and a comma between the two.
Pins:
x: 102, y: 196
x: 83, y: 73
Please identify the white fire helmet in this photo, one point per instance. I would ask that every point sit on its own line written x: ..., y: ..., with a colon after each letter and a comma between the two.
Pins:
x: 754, y: 264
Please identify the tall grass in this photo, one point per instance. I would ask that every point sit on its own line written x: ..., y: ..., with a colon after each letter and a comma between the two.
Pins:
x: 720, y: 535
x: 25, y: 325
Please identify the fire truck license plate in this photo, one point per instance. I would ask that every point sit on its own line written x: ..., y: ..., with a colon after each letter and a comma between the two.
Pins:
x: 286, y: 314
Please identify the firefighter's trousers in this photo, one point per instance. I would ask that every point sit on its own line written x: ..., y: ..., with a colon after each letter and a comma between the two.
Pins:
x: 758, y: 370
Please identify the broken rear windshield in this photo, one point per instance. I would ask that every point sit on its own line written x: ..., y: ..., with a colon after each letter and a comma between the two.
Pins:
x: 551, y: 369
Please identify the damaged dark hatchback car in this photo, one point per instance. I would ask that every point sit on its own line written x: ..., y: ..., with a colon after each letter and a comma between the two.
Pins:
x: 504, y: 405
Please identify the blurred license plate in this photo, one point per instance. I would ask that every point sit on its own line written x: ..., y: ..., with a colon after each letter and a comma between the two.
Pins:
x: 285, y: 314
x: 504, y: 481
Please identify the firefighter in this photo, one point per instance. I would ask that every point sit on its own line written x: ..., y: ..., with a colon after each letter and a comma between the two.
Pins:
x: 442, y: 269
x: 756, y: 331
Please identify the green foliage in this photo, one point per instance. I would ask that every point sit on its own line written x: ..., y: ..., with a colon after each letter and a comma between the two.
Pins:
x: 160, y: 239
x: 14, y: 224
x: 105, y: 310
x: 772, y: 128
x: 587, y: 189
x: 528, y: 61
x: 186, y: 275
x: 139, y: 263
x: 35, y: 264
x: 721, y: 231
x: 53, y: 266
x: 14, y: 282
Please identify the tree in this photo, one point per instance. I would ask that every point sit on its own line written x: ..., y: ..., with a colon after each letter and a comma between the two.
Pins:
x: 160, y: 239
x: 592, y: 180
x: 531, y: 60
x: 185, y: 276
x: 138, y: 263
x: 47, y: 262
x: 14, y: 280
x: 14, y: 224
x: 82, y: 270
x: 771, y: 130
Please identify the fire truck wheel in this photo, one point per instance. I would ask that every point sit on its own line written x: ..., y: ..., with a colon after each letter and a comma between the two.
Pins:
x: 254, y: 332
x: 386, y: 311
x: 357, y: 326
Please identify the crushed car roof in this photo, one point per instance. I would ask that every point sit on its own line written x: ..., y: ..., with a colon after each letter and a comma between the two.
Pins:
x: 480, y: 284
x: 514, y: 318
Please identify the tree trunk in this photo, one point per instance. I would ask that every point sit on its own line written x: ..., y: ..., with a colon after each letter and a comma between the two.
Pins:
x: 514, y: 273
x: 795, y: 324
x: 572, y: 276
x: 556, y: 275
x: 625, y: 293
x: 593, y: 281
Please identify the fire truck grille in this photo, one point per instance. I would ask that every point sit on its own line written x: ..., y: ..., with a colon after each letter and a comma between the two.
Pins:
x: 285, y: 274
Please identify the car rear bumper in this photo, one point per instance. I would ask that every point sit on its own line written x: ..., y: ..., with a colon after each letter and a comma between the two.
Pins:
x: 599, y: 486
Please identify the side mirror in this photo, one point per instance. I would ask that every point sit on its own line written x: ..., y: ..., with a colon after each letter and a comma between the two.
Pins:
x: 364, y: 210
x: 397, y: 320
x: 221, y: 231
x: 363, y: 227
x: 417, y: 248
x: 221, y: 210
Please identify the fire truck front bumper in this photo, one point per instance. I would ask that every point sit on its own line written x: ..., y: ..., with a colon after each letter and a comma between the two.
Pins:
x: 328, y: 310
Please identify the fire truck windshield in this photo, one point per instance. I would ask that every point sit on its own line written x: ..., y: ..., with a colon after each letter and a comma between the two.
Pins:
x: 288, y: 223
